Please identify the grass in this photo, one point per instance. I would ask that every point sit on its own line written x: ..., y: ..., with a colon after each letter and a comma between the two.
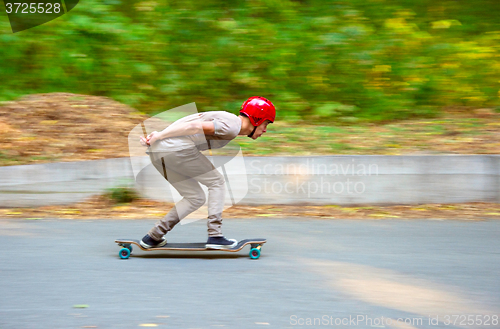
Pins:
x: 453, y: 133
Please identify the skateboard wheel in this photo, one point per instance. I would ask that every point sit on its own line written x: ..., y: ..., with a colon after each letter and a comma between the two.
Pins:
x: 254, y: 253
x: 124, y: 253
x: 129, y: 247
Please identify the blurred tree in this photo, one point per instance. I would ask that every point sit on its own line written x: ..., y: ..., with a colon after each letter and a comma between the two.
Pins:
x: 318, y: 60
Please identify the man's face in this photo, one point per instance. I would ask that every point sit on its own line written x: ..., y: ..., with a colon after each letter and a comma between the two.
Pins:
x: 261, y: 129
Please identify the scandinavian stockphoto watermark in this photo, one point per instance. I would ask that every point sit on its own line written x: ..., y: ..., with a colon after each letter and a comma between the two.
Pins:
x: 365, y: 320
x: 311, y: 178
x: 356, y: 320
x: 26, y: 14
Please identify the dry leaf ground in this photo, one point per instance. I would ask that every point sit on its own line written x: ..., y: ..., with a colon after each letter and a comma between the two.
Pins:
x: 103, y: 207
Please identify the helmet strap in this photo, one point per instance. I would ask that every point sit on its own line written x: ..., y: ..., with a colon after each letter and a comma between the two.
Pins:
x: 253, y: 131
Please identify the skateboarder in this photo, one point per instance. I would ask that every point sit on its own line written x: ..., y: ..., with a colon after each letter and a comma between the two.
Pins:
x: 175, y: 153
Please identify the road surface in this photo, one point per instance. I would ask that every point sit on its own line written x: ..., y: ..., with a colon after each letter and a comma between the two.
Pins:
x: 311, y: 273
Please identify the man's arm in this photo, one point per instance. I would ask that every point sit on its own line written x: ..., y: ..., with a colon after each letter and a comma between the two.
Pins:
x: 187, y: 128
x: 182, y: 129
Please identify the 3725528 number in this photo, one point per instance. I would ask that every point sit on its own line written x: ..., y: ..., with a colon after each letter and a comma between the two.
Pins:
x: 33, y: 8
x: 477, y: 320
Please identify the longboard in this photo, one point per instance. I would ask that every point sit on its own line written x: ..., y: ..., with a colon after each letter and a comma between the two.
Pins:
x: 126, y: 244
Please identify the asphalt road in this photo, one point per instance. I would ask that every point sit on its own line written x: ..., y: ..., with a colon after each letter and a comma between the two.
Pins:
x: 323, y: 273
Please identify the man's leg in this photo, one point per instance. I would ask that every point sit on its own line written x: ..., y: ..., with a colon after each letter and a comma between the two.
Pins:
x: 190, y: 164
x: 202, y: 170
x: 188, y: 188
x: 195, y: 165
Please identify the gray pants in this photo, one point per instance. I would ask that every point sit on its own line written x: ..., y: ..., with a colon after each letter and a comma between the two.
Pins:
x: 185, y: 170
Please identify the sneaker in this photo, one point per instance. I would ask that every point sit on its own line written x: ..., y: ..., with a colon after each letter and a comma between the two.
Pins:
x: 148, y: 242
x: 220, y: 242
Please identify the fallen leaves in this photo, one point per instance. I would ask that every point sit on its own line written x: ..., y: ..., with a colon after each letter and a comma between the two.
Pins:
x: 103, y: 207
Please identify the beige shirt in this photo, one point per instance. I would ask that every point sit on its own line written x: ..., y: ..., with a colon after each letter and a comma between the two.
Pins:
x: 227, y: 127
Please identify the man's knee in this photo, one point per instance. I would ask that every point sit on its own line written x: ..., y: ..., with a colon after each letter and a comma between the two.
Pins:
x: 198, y: 200
x: 218, y: 181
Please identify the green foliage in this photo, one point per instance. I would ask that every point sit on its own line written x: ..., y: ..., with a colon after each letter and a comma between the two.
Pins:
x: 318, y: 60
x: 123, y: 194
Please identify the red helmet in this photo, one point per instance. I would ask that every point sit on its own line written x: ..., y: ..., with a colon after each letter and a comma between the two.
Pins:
x: 258, y: 109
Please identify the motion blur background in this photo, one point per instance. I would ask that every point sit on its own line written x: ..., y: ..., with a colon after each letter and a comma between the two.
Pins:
x: 409, y: 89
x: 339, y: 61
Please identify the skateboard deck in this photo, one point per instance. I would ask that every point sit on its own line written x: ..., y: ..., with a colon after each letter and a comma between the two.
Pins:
x: 255, y: 247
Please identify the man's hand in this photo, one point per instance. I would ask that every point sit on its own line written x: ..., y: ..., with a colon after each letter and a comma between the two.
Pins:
x: 150, y: 139
x: 144, y: 141
x: 153, y: 137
